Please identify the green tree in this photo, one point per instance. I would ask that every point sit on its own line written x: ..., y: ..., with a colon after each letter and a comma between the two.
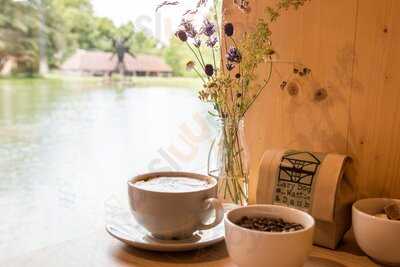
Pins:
x: 144, y: 44
x: 70, y: 24
x: 46, y: 32
x: 102, y: 34
x: 17, y: 33
x: 42, y: 31
x: 176, y: 55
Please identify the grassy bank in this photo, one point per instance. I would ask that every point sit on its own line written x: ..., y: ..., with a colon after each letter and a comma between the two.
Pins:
x: 181, y: 82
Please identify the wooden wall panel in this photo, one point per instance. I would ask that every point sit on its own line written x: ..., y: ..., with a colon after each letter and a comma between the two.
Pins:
x: 374, y: 136
x: 354, y: 59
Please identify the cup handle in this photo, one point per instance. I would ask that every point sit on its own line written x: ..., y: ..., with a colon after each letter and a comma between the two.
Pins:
x: 219, y: 213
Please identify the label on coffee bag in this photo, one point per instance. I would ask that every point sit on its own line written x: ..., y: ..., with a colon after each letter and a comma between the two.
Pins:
x: 296, y: 178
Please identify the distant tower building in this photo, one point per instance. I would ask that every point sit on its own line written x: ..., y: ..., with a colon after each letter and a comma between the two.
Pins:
x: 168, y: 32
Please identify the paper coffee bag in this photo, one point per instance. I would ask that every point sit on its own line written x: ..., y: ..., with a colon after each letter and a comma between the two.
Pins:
x: 311, y: 182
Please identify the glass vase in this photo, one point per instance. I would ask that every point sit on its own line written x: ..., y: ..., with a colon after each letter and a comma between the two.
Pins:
x: 228, y: 162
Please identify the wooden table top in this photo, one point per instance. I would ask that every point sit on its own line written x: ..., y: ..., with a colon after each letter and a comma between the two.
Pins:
x: 99, y: 249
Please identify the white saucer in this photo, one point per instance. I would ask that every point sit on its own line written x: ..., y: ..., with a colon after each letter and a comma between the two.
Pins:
x: 128, y: 230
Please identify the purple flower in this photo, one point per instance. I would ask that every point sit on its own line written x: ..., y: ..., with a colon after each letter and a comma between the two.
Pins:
x: 212, y: 41
x: 197, y: 43
x: 201, y: 3
x: 208, y: 28
x: 234, y: 55
x: 188, y: 27
x: 181, y: 35
x: 230, y: 66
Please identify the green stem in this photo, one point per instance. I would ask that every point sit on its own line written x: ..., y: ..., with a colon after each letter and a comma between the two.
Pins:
x: 239, y: 149
x: 240, y: 68
x: 195, y: 54
x: 201, y: 57
x: 201, y: 77
x: 215, y: 62
x: 233, y: 41
x: 259, y: 91
x: 233, y: 172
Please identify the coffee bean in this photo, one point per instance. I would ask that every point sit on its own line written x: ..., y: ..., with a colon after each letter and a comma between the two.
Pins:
x: 265, y: 224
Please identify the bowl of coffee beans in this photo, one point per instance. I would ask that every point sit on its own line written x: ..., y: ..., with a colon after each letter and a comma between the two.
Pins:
x: 268, y: 235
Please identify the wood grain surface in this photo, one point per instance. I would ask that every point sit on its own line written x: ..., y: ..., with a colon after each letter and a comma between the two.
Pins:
x: 352, y: 48
x: 100, y: 250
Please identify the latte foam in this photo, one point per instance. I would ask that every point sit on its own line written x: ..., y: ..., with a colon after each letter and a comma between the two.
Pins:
x: 173, y: 184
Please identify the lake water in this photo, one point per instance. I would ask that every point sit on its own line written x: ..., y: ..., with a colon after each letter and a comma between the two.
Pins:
x: 67, y: 150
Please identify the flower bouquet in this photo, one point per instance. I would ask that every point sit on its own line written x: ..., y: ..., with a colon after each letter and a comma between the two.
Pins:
x: 231, y: 84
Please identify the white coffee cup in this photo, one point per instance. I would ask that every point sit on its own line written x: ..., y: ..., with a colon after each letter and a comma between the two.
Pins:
x: 174, y: 215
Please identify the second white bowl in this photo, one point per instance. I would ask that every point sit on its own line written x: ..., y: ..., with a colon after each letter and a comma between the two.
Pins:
x: 379, y: 238
x: 251, y: 248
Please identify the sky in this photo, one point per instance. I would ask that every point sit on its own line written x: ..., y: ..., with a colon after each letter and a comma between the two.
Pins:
x: 142, y: 13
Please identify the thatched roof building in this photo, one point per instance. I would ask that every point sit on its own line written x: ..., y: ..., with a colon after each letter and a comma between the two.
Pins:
x: 100, y: 63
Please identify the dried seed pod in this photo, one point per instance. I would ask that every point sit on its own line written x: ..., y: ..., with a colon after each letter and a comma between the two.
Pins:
x: 229, y: 29
x: 182, y: 35
x: 209, y: 70
x: 190, y: 65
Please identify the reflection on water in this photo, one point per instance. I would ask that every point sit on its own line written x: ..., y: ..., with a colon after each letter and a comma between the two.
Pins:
x: 65, y: 150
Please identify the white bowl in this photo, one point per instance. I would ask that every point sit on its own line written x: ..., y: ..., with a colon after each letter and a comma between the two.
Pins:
x: 379, y: 238
x: 251, y: 248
